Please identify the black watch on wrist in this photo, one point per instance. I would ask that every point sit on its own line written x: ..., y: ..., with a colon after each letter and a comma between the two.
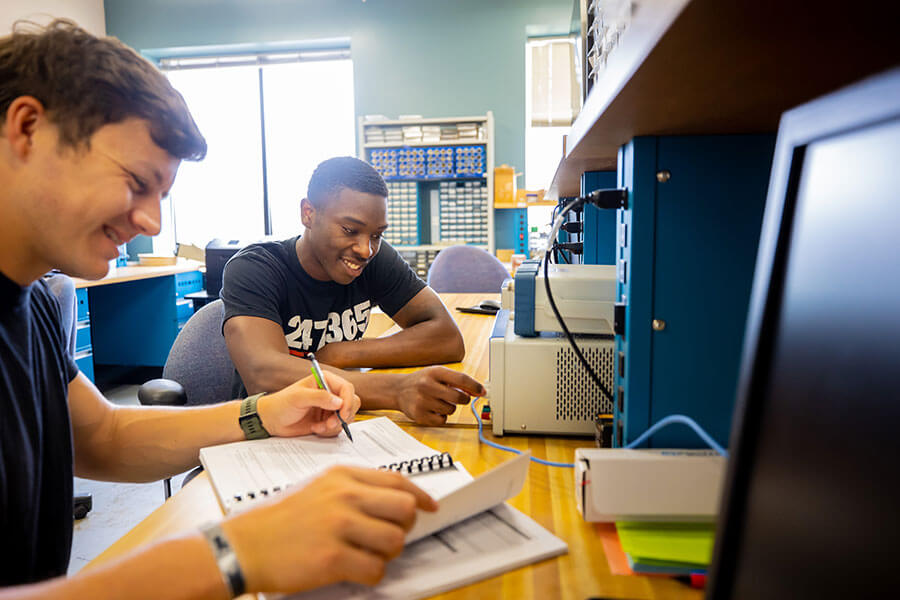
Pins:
x: 249, y: 419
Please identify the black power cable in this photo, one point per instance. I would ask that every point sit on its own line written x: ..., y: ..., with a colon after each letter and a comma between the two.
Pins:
x: 609, y: 198
x: 584, y: 362
x: 573, y: 227
x: 571, y: 247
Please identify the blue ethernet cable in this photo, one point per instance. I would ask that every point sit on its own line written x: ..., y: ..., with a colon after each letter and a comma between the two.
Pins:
x: 484, y: 440
x: 684, y: 420
x: 664, y: 422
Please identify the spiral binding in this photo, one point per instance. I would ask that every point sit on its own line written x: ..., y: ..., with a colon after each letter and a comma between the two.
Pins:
x: 425, y: 464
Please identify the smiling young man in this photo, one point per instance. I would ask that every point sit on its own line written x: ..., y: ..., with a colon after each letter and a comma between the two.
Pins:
x: 314, y: 293
x: 91, y: 136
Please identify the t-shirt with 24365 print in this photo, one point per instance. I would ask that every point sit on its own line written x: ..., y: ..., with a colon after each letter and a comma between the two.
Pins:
x: 266, y: 280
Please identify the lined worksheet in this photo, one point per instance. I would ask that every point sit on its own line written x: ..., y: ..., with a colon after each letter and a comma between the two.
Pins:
x: 491, y: 542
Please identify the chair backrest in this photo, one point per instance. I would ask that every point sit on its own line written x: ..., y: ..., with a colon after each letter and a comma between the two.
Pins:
x: 466, y: 269
x: 199, y: 358
x: 63, y: 288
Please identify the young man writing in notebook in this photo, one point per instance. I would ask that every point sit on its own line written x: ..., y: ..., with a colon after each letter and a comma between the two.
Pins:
x: 91, y: 136
x: 314, y: 292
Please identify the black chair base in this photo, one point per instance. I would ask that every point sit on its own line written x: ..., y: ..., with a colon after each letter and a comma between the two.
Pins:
x: 82, y: 505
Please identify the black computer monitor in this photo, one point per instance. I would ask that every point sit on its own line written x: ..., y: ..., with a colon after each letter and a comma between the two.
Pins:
x: 812, y: 501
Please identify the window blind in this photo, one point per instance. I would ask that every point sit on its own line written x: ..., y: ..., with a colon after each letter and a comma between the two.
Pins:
x: 252, y: 59
x: 555, y: 96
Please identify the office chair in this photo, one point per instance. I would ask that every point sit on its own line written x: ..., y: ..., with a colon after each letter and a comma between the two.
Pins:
x: 198, y: 369
x: 466, y: 269
x: 63, y: 288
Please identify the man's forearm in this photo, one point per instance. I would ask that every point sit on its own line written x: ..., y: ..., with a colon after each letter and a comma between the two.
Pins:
x: 150, y: 443
x: 186, y: 565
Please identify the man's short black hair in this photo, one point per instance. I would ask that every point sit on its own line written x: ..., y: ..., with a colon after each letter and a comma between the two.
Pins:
x: 86, y: 82
x: 341, y: 172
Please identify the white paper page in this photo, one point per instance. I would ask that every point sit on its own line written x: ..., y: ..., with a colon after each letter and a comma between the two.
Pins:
x: 489, y: 543
x: 270, y: 465
x: 489, y: 489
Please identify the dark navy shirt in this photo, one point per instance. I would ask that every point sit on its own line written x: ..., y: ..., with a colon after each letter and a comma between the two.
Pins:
x: 266, y: 280
x: 35, y: 435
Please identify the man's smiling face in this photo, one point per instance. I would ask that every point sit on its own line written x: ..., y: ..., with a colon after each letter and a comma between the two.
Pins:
x: 342, y: 234
x: 87, y: 200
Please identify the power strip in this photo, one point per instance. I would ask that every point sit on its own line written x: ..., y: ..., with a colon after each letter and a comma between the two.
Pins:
x: 615, y: 484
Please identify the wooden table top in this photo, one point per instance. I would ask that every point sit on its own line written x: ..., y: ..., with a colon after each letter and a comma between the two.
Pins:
x: 548, y: 497
x: 135, y: 272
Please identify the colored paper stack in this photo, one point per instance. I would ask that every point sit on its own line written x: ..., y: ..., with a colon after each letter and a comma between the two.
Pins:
x: 646, y: 548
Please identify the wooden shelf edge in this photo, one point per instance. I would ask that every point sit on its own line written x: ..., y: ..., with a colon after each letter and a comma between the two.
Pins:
x: 566, y: 181
x: 651, y: 20
x: 704, y: 67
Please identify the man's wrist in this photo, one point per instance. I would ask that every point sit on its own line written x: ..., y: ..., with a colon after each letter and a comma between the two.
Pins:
x: 249, y: 420
x: 226, y: 559
x: 379, y: 391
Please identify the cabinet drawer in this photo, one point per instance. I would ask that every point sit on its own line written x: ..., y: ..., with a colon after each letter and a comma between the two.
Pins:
x: 81, y: 295
x: 183, y: 310
x: 185, y: 283
x: 82, y: 336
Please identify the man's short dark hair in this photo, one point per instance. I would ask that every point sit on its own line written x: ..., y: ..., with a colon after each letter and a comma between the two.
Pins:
x: 335, y: 174
x: 86, y: 82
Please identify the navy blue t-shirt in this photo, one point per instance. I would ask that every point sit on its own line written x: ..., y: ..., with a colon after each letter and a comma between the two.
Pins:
x: 266, y: 280
x: 35, y: 435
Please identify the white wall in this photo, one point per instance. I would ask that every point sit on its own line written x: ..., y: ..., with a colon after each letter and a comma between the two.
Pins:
x: 87, y: 13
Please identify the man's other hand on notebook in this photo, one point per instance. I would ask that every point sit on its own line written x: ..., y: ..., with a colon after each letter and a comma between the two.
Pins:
x: 302, y: 408
x: 343, y: 526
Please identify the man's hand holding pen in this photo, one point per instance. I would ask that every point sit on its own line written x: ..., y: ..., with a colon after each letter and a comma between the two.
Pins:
x: 303, y: 407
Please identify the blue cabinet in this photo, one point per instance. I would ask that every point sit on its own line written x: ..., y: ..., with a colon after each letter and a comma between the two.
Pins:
x: 686, y: 253
x: 599, y: 225
x: 84, y: 356
x: 185, y: 283
x: 511, y: 227
x: 134, y: 323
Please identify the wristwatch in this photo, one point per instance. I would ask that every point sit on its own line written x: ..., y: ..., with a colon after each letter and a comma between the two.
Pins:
x: 249, y: 419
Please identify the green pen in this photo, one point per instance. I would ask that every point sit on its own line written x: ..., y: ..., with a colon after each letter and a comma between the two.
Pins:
x: 320, y: 379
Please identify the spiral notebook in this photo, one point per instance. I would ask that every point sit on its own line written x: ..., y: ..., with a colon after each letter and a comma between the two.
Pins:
x: 472, y: 536
x: 246, y: 472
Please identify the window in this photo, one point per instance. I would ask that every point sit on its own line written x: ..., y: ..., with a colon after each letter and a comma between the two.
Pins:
x: 268, y: 120
x: 552, y: 101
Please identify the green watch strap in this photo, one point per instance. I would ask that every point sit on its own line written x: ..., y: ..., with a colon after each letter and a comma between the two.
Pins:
x: 249, y: 419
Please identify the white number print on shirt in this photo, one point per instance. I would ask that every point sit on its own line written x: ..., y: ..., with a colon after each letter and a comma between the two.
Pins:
x: 348, y: 325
